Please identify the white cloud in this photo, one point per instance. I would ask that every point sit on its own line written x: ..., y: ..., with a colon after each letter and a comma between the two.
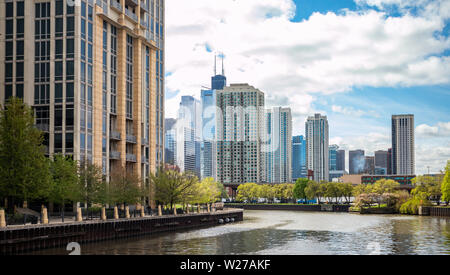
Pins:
x: 442, y: 129
x: 327, y: 53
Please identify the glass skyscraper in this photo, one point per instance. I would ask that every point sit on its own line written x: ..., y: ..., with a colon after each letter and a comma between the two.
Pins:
x: 317, y: 157
x: 298, y: 158
x: 208, y: 145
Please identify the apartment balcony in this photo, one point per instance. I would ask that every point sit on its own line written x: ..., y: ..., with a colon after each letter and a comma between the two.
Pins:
x: 144, y: 6
x: 114, y: 155
x: 115, y: 135
x: 131, y: 139
x: 131, y: 15
x: 135, y: 2
x: 116, y: 5
x: 144, y: 160
x: 131, y: 158
x: 145, y: 142
x: 144, y: 24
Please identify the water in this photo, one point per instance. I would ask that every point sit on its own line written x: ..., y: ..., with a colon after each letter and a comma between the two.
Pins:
x: 296, y: 233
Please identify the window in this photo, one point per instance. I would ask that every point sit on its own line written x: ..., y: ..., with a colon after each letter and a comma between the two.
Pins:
x: 9, y: 10
x: 58, y: 117
x: 58, y: 92
x: 59, y: 49
x: 69, y: 92
x: 69, y: 117
x: 69, y: 142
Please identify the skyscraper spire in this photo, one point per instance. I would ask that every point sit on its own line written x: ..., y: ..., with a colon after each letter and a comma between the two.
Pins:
x: 223, y: 71
x: 215, y: 63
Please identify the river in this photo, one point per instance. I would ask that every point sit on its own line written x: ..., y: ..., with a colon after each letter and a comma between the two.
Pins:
x: 293, y: 233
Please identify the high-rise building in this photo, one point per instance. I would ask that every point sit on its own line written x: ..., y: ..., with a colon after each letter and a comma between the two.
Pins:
x: 189, y: 132
x: 340, y: 160
x: 389, y: 162
x: 170, y: 142
x: 333, y: 149
x: 317, y: 139
x: 93, y: 72
x: 278, y: 145
x: 208, y: 145
x: 369, y: 165
x: 381, y: 162
x: 218, y: 81
x: 403, y: 151
x: 356, y: 162
x: 239, y: 128
x: 298, y: 158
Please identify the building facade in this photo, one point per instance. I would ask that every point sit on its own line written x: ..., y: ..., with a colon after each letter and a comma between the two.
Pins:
x: 333, y: 149
x: 340, y: 160
x: 278, y: 142
x: 170, y: 142
x: 208, y: 145
x: 381, y: 162
x: 298, y: 158
x: 317, y: 154
x: 356, y: 161
x: 369, y: 165
x: 93, y: 72
x: 403, y: 145
x: 188, y: 135
x: 239, y: 129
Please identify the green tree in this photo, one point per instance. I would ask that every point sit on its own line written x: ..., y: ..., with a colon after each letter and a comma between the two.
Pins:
x: 299, y: 188
x: 171, y: 187
x: 314, y: 190
x: 346, y: 191
x: 430, y: 185
x: 247, y: 192
x: 445, y: 186
x: 64, y: 184
x: 124, y: 187
x: 24, y: 169
x: 92, y: 184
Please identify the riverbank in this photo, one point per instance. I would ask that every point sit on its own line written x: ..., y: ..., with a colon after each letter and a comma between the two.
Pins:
x: 293, y: 207
x: 24, y: 239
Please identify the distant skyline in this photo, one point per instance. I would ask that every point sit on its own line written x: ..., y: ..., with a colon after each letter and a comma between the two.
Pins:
x: 357, y: 62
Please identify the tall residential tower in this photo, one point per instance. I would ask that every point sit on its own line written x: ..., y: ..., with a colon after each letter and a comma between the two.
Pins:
x: 403, y: 151
x: 317, y: 139
x: 93, y: 72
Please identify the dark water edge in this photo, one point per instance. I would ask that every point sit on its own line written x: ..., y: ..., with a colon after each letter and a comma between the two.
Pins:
x: 292, y: 233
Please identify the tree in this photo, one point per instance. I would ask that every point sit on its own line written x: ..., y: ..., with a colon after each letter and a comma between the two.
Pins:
x: 24, y: 169
x: 299, y: 188
x: 64, y: 184
x: 314, y: 190
x: 170, y: 187
x: 92, y: 184
x: 247, y: 192
x: 124, y: 187
x: 445, y: 186
x: 346, y: 191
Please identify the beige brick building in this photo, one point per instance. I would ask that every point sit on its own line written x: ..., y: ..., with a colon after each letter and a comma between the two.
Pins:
x: 93, y: 71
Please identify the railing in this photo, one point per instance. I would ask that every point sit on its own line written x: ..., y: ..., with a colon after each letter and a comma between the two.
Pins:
x: 144, y: 24
x: 115, y: 135
x: 114, y: 155
x: 144, y: 159
x: 131, y: 15
x: 43, y: 127
x: 131, y: 139
x: 145, y: 141
x: 116, y: 5
x: 103, y: 5
x: 131, y: 158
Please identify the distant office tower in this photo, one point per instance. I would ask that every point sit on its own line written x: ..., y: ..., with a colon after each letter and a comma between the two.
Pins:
x: 240, y: 127
x: 381, y: 162
x: 369, y: 165
x: 93, y: 72
x: 333, y: 149
x: 403, y: 152
x: 278, y: 145
x: 298, y: 158
x: 389, y: 162
x: 340, y: 160
x: 356, y: 161
x: 218, y: 81
x: 208, y: 146
x: 189, y: 131
x: 317, y: 157
x: 170, y: 141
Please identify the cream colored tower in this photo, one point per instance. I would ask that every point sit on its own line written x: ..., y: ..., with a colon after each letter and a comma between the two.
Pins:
x: 93, y: 72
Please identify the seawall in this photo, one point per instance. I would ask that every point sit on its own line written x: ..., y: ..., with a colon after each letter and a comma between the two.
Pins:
x: 23, y: 239
x: 293, y: 207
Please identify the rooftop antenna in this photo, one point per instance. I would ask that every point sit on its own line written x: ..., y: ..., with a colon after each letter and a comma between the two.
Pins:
x: 215, y: 63
x: 223, y: 71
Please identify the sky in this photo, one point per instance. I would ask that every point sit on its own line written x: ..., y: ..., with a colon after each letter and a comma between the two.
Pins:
x: 356, y: 61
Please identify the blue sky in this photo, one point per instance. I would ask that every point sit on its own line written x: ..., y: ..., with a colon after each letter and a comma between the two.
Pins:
x: 358, y: 62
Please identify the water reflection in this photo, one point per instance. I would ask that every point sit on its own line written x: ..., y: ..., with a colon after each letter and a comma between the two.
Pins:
x: 285, y: 232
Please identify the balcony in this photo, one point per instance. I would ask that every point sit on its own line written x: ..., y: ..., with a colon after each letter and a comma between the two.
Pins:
x: 144, y: 24
x: 131, y: 15
x: 131, y: 139
x: 116, y: 5
x: 144, y: 160
x: 145, y: 141
x: 114, y: 155
x: 144, y: 6
x: 131, y: 158
x: 115, y: 135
